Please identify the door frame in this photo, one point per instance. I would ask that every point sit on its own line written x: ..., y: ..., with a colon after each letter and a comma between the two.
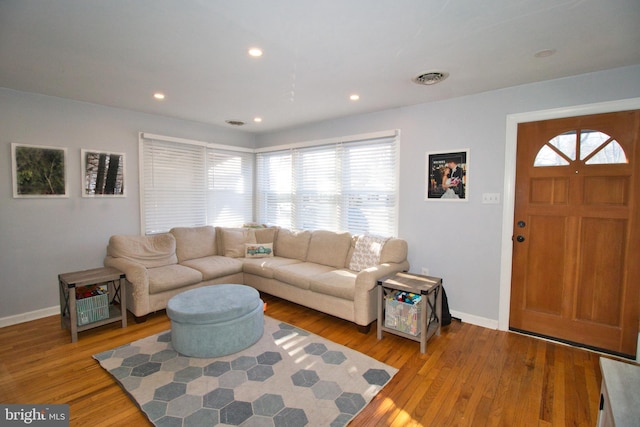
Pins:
x: 508, y: 206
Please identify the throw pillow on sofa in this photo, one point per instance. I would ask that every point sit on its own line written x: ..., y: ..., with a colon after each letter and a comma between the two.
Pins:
x: 367, y: 252
x: 258, y: 250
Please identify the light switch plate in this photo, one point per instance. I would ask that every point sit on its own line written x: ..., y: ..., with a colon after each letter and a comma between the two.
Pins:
x: 491, y: 198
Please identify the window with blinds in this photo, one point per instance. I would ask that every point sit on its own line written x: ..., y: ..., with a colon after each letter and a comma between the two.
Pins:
x: 350, y: 185
x: 188, y: 184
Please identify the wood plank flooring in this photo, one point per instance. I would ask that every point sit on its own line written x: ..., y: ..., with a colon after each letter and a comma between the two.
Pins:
x: 470, y: 376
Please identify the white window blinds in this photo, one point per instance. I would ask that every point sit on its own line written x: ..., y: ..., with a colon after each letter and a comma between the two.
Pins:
x: 274, y: 198
x: 349, y: 186
x: 187, y: 184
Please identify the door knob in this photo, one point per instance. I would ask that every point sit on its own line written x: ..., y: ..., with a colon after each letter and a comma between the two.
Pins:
x: 520, y: 238
x: 521, y: 224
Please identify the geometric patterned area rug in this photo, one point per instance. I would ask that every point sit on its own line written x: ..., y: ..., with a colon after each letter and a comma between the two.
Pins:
x: 290, y: 377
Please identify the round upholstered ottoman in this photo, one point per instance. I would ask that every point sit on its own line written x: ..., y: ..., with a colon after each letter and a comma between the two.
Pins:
x: 215, y: 320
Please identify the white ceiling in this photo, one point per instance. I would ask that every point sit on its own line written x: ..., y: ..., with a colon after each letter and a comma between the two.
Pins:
x: 316, y: 52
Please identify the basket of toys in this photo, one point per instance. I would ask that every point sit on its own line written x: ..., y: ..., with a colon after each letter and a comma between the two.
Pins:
x: 92, y: 304
x: 403, y: 311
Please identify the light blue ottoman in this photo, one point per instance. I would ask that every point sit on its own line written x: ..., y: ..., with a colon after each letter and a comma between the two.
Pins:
x: 215, y: 320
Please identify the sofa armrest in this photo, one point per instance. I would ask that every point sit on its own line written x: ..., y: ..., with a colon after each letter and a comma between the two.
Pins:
x: 138, y: 286
x: 367, y: 279
x: 365, y: 298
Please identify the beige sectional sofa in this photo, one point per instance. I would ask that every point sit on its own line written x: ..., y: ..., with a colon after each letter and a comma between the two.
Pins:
x: 332, y: 272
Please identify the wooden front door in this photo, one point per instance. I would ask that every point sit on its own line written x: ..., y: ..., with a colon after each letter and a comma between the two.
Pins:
x: 576, y: 232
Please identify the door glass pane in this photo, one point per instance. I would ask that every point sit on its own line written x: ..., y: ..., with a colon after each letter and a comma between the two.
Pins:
x: 590, y: 140
x: 611, y: 153
x: 566, y: 143
x: 596, y: 148
x: 548, y: 157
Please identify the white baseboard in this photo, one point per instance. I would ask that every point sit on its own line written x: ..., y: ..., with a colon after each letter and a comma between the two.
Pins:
x: 52, y: 311
x: 475, y: 320
x: 32, y: 315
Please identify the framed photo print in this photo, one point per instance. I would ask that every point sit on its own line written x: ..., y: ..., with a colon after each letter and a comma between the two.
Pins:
x: 39, y: 171
x: 102, y: 174
x: 447, y: 176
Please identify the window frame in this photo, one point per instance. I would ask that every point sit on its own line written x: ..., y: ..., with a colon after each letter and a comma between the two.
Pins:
x: 341, y: 195
x: 390, y: 209
x: 207, y: 150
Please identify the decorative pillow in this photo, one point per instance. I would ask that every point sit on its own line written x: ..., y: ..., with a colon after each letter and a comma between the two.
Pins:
x: 367, y: 252
x: 258, y: 250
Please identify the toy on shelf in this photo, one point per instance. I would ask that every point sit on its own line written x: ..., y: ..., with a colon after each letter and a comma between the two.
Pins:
x: 407, y: 297
x: 90, y: 291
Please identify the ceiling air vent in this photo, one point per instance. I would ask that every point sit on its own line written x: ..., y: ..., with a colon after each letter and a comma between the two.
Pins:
x: 235, y: 122
x: 431, y: 77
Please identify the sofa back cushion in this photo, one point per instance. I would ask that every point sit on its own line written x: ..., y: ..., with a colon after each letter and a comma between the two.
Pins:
x: 395, y: 250
x: 265, y: 235
x: 292, y: 244
x: 231, y: 241
x: 151, y: 251
x: 194, y: 242
x: 329, y: 248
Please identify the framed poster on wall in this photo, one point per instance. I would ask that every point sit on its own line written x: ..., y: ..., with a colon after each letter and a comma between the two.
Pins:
x: 447, y: 176
x: 39, y: 171
x: 102, y: 174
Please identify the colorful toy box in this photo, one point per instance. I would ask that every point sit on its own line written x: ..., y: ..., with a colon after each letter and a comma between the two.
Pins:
x: 402, y: 312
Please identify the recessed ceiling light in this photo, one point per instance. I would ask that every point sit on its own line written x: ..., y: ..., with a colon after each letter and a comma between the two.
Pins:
x: 544, y: 53
x: 354, y: 97
x: 158, y: 95
x: 255, y: 52
x: 257, y: 119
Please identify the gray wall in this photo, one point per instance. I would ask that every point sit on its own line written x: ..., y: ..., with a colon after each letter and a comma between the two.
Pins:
x: 40, y: 238
x: 460, y: 242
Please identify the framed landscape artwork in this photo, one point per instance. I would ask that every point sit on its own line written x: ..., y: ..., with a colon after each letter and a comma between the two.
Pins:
x: 102, y: 174
x: 39, y: 171
x: 447, y: 176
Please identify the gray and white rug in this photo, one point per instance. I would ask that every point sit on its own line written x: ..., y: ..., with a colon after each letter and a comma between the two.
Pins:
x: 290, y: 377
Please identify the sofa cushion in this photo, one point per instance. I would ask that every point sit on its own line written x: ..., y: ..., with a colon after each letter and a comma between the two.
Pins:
x: 264, y: 267
x: 300, y: 274
x: 329, y: 248
x: 194, y: 242
x: 151, y: 251
x: 265, y: 235
x: 367, y: 252
x: 234, y: 239
x: 337, y: 283
x: 215, y: 266
x: 172, y: 277
x: 395, y: 250
x: 258, y: 250
x: 292, y: 244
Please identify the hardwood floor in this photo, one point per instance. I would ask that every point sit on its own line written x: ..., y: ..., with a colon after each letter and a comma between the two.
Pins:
x: 470, y: 376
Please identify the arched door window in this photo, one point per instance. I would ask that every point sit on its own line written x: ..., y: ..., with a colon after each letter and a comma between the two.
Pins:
x: 589, y: 146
